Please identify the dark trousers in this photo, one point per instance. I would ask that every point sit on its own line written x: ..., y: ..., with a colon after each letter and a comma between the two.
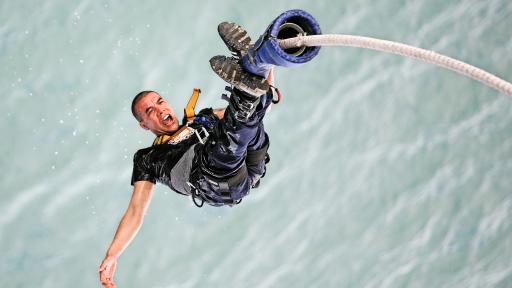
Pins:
x: 225, y: 152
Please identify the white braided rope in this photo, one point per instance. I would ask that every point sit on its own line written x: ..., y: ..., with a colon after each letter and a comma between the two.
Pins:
x: 401, y: 49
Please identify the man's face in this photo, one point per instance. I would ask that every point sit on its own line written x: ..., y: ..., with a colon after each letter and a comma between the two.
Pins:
x: 156, y: 114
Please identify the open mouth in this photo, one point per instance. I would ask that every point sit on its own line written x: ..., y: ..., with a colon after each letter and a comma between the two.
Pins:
x: 167, y: 119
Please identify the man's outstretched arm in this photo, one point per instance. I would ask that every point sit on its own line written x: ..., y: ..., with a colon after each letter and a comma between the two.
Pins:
x: 127, y: 229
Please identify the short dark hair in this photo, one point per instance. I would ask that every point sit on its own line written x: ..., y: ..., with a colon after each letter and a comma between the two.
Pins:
x: 136, y: 100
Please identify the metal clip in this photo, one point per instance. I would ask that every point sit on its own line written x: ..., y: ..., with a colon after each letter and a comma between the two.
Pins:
x: 202, y: 139
x: 246, y: 105
x: 195, y: 194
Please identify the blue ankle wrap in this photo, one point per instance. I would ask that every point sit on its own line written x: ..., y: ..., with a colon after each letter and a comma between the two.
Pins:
x: 266, y: 51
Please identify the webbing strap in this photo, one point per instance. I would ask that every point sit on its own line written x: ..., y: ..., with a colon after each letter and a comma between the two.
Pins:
x: 240, y: 175
x: 225, y: 186
x: 191, y: 105
x: 255, y: 156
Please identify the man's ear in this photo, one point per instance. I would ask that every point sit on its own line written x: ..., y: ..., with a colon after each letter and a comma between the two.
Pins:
x: 143, y: 126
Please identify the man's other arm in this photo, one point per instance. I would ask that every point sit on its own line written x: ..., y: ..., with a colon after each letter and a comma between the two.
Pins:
x: 128, y: 227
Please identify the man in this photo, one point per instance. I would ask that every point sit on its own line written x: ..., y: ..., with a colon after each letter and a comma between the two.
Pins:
x: 216, y: 158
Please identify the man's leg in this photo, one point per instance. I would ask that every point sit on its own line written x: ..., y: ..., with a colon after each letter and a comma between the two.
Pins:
x: 231, y: 137
x: 234, y: 151
x: 232, y: 142
x: 257, y: 156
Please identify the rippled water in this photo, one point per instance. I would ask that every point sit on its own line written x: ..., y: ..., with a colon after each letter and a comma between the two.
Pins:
x: 385, y: 172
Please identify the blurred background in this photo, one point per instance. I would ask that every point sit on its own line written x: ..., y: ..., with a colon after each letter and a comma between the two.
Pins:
x: 385, y: 171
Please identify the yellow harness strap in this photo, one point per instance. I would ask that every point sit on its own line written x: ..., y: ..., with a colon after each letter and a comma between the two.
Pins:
x: 189, y: 115
x: 189, y: 109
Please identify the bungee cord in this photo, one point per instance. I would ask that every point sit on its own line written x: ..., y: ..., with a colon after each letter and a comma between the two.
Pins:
x: 400, y: 49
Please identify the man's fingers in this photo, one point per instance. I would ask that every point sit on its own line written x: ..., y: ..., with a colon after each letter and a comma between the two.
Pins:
x: 103, y: 278
x: 108, y: 283
x: 104, y: 275
x: 106, y: 271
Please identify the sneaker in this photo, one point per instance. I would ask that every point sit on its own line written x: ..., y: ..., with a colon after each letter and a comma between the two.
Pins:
x: 235, y: 37
x: 230, y: 70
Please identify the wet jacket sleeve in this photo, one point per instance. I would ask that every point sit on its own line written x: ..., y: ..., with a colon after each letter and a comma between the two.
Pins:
x: 141, y: 169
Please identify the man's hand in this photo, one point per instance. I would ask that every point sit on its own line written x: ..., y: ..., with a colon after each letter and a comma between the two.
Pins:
x: 128, y: 227
x: 107, y: 270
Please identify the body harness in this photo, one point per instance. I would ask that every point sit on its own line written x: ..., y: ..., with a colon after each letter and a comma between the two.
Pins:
x: 200, y: 125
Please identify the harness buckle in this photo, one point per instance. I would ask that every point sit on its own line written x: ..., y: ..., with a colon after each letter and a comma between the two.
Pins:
x: 202, y: 135
x: 246, y: 105
x: 245, y: 112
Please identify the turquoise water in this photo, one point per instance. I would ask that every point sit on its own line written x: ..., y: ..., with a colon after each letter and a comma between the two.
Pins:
x: 385, y: 172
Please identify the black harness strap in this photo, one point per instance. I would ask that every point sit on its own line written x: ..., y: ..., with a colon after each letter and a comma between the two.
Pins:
x: 255, y: 156
x: 225, y: 186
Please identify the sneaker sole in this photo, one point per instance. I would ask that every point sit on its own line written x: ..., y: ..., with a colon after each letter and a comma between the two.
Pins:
x: 230, y: 71
x: 234, y: 36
